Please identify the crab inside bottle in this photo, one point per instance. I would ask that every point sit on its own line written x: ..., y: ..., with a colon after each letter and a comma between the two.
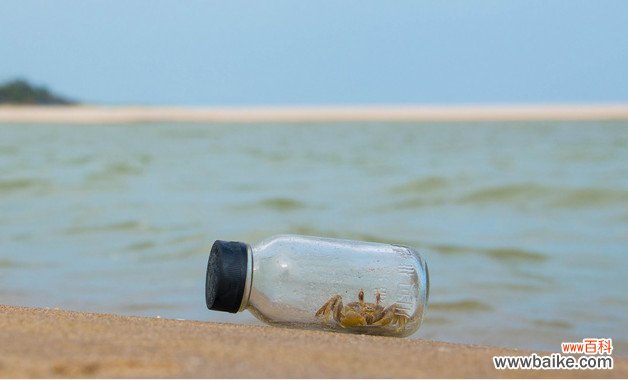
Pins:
x: 321, y: 283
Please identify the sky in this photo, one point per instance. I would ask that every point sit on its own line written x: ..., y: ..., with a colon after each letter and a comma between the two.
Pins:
x: 290, y: 52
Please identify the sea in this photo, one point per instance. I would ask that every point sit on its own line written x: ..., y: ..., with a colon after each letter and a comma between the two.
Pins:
x: 524, y: 225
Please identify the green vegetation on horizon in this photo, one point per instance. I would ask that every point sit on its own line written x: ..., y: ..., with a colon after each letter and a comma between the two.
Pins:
x: 20, y: 91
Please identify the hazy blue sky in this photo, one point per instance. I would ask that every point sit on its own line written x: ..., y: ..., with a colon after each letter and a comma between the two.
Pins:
x: 319, y: 52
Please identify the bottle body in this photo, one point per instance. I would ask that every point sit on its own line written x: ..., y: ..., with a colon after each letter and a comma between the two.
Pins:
x: 338, y: 285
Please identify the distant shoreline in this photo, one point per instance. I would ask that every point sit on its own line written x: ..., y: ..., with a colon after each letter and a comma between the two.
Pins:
x: 88, y: 114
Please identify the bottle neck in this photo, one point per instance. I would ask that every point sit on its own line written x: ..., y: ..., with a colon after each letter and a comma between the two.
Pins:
x: 249, y: 279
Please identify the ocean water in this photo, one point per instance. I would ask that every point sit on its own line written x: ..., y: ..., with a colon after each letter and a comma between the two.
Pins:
x: 524, y: 225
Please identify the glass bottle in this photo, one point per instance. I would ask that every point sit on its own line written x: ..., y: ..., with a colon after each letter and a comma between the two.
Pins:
x: 321, y: 283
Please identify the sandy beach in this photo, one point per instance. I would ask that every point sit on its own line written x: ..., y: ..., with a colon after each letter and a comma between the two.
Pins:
x: 55, y: 343
x: 139, y: 114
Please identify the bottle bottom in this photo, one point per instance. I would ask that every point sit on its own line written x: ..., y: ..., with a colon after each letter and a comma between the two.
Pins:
x: 391, y: 331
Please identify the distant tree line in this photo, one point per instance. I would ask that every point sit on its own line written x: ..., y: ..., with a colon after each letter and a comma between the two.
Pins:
x: 20, y: 91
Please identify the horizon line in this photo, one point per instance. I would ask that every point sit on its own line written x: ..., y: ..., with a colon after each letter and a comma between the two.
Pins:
x: 109, y: 114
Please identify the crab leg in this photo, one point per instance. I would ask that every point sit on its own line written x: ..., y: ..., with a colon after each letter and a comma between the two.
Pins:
x: 333, y: 305
x: 401, y: 321
x: 387, y: 317
x: 392, y: 316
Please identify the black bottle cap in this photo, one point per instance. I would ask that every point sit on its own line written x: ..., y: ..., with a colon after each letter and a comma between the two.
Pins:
x: 226, y: 276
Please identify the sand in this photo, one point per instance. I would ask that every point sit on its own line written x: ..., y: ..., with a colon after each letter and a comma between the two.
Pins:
x: 56, y: 343
x: 137, y: 114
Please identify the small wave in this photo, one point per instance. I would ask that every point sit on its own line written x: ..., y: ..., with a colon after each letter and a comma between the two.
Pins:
x: 8, y: 150
x: 13, y: 264
x: 449, y: 249
x: 141, y: 246
x: 129, y: 225
x: 592, y: 197
x: 535, y: 277
x: 462, y: 305
x: 421, y: 185
x: 514, y: 254
x: 432, y: 320
x: 499, y: 254
x: 412, y: 203
x: 122, y: 168
x: 8, y: 263
x: 613, y: 301
x: 19, y: 184
x: 282, y: 204
x: 506, y: 193
x: 22, y: 237
x: 118, y: 169
x: 560, y: 197
x: 552, y: 323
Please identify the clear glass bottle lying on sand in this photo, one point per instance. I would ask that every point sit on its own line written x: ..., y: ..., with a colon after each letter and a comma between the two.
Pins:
x: 320, y: 283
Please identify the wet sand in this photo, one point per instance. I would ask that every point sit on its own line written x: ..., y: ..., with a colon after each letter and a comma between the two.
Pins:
x: 55, y: 343
x: 86, y: 114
